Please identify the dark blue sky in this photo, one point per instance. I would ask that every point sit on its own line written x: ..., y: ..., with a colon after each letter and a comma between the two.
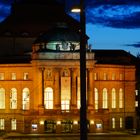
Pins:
x: 111, y: 24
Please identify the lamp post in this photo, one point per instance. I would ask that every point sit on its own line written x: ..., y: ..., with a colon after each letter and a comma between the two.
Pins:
x: 83, y: 108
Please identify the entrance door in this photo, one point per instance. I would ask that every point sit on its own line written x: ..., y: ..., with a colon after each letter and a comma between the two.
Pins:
x: 66, y: 126
x: 129, y: 123
x: 49, y: 126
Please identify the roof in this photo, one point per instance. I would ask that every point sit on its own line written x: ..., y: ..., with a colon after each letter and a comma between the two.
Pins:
x: 119, y: 57
x: 58, y: 34
x: 36, y: 16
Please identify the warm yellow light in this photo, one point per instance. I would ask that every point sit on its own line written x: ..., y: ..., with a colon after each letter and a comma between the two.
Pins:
x: 41, y: 122
x: 58, y: 122
x: 92, y: 122
x: 75, y: 122
x: 76, y: 10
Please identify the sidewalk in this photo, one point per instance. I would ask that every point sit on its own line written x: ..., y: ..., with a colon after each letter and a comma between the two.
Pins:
x: 18, y: 135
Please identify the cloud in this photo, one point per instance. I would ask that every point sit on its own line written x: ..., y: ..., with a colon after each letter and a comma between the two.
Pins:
x: 114, y: 13
x: 136, y: 45
x: 111, y: 13
x: 4, y: 9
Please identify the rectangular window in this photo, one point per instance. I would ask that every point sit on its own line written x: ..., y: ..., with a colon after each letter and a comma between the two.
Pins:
x: 95, y: 76
x: 121, y: 123
x: 13, y: 124
x: 113, y: 76
x: 2, y: 124
x: 121, y: 76
x: 48, y: 98
x: 136, y: 92
x: 1, y: 76
x: 105, y: 76
x: 113, y: 123
x: 13, y: 76
x: 78, y: 92
x: 65, y: 105
x: 26, y: 76
x: 65, y: 93
x: 96, y: 99
x: 136, y: 103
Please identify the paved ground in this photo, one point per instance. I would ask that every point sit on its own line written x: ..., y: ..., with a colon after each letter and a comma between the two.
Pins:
x: 71, y: 136
x: 91, y: 136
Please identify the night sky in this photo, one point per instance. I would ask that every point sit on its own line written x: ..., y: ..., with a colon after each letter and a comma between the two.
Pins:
x: 111, y: 24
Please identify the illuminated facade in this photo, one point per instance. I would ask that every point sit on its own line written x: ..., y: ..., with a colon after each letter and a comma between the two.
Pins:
x: 42, y: 94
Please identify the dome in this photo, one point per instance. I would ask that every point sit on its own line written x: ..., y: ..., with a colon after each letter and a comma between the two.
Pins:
x: 58, y: 34
x: 58, y: 39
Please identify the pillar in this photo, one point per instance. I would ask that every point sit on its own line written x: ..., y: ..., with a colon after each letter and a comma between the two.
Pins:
x: 90, y: 89
x: 73, y: 90
x: 57, y: 99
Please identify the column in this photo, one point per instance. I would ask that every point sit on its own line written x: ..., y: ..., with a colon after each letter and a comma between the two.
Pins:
x: 73, y: 89
x: 57, y: 94
x: 90, y: 89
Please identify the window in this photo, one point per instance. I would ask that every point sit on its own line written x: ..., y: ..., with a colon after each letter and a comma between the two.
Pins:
x: 136, y: 103
x: 13, y: 75
x: 1, y: 76
x: 2, y: 98
x: 121, y: 123
x: 136, y: 92
x: 65, y: 105
x: 96, y: 98
x: 113, y: 76
x: 2, y: 125
x: 78, y: 92
x: 105, y: 98
x: 120, y: 98
x: 113, y: 123
x: 25, y: 99
x: 13, y: 99
x: 113, y: 98
x: 26, y: 76
x: 48, y: 98
x: 121, y: 76
x: 13, y: 124
x: 95, y: 76
x: 65, y: 93
x: 105, y: 76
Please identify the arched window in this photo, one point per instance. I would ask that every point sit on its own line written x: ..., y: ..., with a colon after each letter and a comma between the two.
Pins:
x: 120, y: 98
x: 2, y: 98
x: 13, y: 99
x: 113, y: 98
x: 96, y: 98
x: 48, y: 98
x: 25, y: 99
x: 105, y: 98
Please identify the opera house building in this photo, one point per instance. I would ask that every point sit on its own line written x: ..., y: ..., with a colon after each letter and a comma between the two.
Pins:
x: 40, y: 75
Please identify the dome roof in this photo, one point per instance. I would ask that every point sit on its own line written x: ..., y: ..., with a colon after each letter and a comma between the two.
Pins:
x: 58, y: 34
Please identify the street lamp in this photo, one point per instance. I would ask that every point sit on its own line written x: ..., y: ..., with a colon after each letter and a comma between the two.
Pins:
x: 83, y: 108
